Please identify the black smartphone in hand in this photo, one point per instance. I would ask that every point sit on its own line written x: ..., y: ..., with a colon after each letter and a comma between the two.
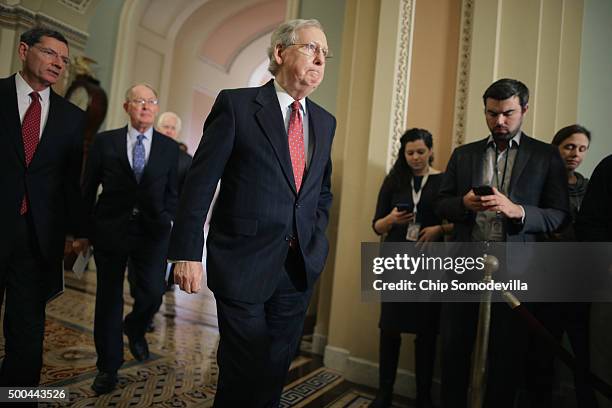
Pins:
x: 404, y: 207
x: 483, y: 190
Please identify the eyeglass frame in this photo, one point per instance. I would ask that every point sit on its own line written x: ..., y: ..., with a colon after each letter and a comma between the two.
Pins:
x: 50, y: 53
x: 325, y: 52
x: 142, y: 102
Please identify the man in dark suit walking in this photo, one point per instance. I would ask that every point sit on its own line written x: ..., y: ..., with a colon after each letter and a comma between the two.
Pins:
x: 529, y: 197
x: 270, y: 147
x: 130, y: 225
x: 41, y: 144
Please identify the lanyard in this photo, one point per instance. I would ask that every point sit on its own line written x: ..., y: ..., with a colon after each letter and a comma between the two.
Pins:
x: 416, y: 195
x: 503, y: 180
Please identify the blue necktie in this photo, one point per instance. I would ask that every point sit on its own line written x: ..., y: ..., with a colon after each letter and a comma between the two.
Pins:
x: 138, y: 157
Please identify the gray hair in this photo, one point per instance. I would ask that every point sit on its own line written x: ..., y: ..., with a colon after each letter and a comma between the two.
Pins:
x: 285, y: 35
x: 179, y: 122
x: 128, y: 93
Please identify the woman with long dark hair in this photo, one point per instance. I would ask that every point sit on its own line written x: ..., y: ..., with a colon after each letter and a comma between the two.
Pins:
x: 405, y: 212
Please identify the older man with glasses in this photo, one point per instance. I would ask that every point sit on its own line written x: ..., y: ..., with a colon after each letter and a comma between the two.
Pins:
x: 130, y: 222
x: 270, y: 147
x: 41, y: 138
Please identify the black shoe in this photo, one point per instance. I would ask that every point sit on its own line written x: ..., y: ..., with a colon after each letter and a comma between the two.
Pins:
x: 150, y: 327
x: 104, y: 382
x: 382, y: 400
x: 139, y: 348
x: 426, y: 403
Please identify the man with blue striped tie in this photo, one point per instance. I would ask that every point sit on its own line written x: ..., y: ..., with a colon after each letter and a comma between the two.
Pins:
x: 136, y: 166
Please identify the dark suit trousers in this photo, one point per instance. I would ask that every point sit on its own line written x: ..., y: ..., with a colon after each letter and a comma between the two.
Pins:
x: 558, y: 318
x: 507, y: 345
x: 21, y: 269
x: 259, y: 340
x: 147, y: 267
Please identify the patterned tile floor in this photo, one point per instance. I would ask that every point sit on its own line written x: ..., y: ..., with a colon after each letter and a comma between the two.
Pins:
x: 182, y: 370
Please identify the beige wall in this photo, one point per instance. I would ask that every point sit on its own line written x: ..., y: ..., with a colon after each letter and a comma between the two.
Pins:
x: 371, y: 114
x: 543, y: 51
x: 70, y: 18
x: 413, y: 46
x: 594, y: 109
x: 349, y: 317
x: 434, y: 71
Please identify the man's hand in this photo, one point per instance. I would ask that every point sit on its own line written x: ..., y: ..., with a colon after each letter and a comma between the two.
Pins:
x: 430, y: 234
x: 80, y: 245
x: 502, y: 204
x: 188, y: 275
x: 473, y: 202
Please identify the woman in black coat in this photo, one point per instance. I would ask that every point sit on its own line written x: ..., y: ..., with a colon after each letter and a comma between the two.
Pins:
x: 572, y: 318
x: 411, y: 181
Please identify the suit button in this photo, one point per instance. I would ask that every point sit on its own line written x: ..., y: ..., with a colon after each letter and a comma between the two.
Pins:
x: 298, y: 205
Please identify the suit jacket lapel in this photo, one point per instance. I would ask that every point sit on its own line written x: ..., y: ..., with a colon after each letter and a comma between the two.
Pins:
x: 522, y: 158
x: 120, y: 144
x: 10, y: 112
x: 315, y: 131
x: 154, y: 155
x: 270, y: 119
x: 477, y: 157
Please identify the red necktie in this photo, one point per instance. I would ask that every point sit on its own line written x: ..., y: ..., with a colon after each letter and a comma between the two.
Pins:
x: 296, y: 144
x: 30, y: 130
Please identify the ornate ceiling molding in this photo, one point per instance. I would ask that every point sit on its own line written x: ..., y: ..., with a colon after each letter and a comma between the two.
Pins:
x: 80, y: 6
x: 21, y: 19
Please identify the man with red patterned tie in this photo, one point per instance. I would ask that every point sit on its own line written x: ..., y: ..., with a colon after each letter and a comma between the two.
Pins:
x: 41, y: 146
x: 270, y: 147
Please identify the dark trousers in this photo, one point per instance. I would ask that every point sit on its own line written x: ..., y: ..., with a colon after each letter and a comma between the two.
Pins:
x: 559, y: 318
x: 258, y: 342
x: 424, y: 360
x: 507, y: 345
x: 147, y: 266
x: 21, y: 269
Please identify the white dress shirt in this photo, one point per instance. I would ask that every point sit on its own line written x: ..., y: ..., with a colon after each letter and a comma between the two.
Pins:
x: 285, y: 101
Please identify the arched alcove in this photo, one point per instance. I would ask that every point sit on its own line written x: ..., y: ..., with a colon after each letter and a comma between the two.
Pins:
x: 189, y: 50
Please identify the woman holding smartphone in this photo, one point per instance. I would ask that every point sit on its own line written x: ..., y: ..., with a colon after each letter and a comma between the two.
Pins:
x: 405, y: 212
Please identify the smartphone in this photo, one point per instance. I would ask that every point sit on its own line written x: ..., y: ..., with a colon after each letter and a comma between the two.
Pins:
x: 404, y: 207
x: 483, y: 190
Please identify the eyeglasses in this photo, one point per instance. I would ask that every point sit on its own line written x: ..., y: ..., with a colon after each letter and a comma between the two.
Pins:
x: 311, y: 49
x: 51, y: 54
x: 143, y: 102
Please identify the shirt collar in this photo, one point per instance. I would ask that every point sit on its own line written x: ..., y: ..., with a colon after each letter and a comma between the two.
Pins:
x: 285, y: 100
x: 133, y: 133
x: 515, y: 141
x: 24, y: 89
